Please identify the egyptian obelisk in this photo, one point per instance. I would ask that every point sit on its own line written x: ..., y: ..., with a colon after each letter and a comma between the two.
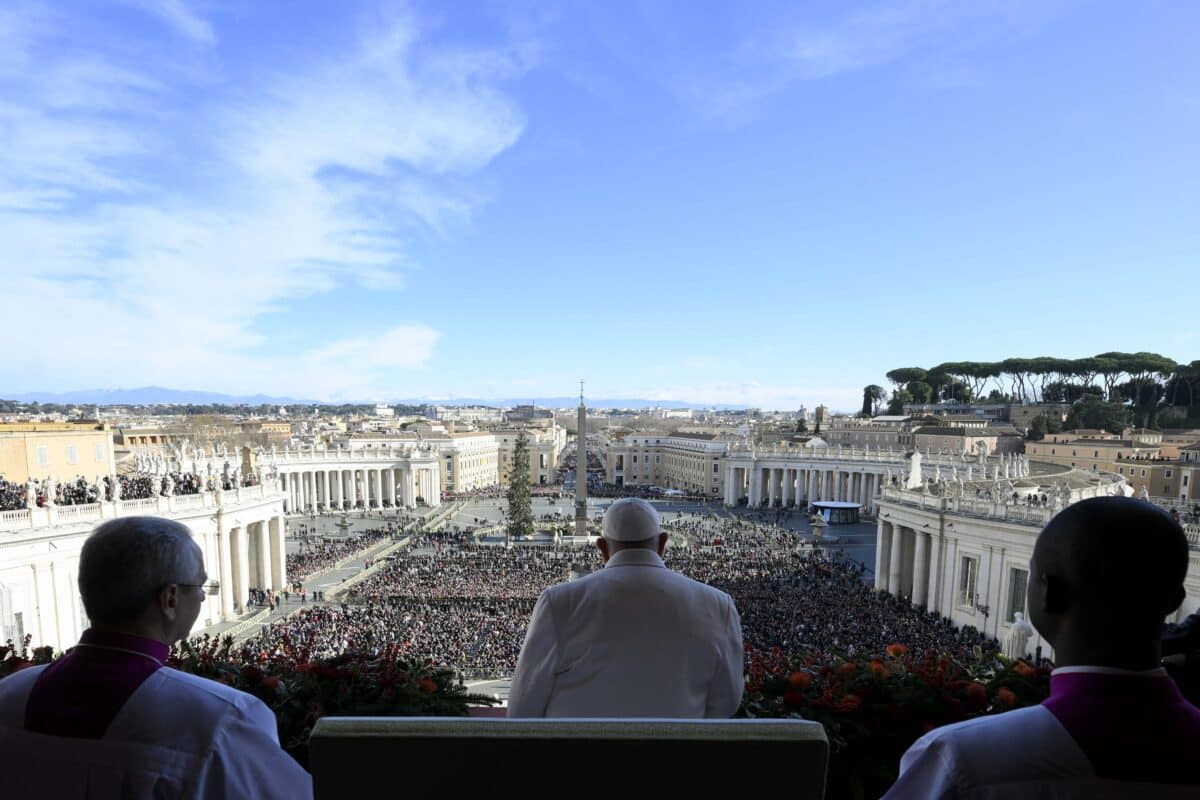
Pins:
x: 581, y: 469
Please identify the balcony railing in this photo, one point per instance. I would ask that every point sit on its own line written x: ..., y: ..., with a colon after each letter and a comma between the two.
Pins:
x: 55, y: 516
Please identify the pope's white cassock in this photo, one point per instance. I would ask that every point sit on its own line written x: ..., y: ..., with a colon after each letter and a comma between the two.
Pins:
x: 634, y: 639
x: 109, y: 720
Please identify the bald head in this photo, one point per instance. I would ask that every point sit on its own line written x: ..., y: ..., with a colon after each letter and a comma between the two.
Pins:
x: 1108, y: 566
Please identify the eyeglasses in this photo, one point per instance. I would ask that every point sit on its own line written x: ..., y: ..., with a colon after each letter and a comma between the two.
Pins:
x: 210, y: 588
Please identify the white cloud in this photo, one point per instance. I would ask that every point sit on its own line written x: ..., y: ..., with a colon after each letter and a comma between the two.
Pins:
x: 873, y: 35
x: 150, y: 240
x: 179, y: 16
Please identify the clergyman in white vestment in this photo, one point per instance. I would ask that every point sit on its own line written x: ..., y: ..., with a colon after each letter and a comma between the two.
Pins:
x: 1115, y: 724
x: 634, y: 639
x: 110, y: 720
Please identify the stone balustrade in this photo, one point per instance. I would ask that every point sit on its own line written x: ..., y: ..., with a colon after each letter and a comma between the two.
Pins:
x: 57, y: 516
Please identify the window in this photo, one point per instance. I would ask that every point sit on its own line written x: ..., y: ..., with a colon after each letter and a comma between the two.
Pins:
x: 99, y: 453
x: 72, y: 454
x: 1185, y: 477
x: 1018, y: 585
x: 1168, y: 474
x: 635, y: 459
x: 968, y: 573
x: 43, y: 455
x: 716, y: 469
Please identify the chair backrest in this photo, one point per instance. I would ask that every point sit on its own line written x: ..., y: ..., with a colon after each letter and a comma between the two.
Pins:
x: 356, y: 756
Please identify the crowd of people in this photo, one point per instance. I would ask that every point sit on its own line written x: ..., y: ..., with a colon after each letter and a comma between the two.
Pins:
x: 318, y: 554
x: 132, y: 486
x: 466, y: 605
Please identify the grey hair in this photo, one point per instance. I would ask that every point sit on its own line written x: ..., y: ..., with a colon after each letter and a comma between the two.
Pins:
x: 126, y: 561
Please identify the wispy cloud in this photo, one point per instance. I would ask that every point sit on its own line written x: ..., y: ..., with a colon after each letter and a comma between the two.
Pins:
x: 178, y: 15
x: 160, y: 235
x: 798, y: 49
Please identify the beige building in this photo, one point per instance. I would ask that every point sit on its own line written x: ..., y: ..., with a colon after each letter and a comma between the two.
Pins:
x: 1022, y: 416
x: 545, y: 446
x: 470, y: 461
x: 63, y: 450
x: 689, y: 462
x: 956, y: 440
x: 883, y: 431
x: 1139, y: 456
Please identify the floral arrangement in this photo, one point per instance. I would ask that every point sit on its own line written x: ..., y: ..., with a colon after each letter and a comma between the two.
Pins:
x: 300, y: 690
x: 873, y: 709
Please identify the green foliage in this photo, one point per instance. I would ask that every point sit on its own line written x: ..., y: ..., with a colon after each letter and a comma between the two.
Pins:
x: 1093, y: 412
x: 920, y: 391
x: 873, y: 396
x: 899, y: 398
x: 906, y: 375
x: 802, y: 426
x: 520, y: 499
x: 1041, y: 425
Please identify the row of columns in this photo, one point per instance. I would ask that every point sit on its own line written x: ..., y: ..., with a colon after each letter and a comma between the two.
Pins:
x: 902, y: 562
x: 373, y: 487
x: 250, y: 556
x: 797, y: 486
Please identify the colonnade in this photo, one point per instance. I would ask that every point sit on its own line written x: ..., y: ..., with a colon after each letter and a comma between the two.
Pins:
x: 373, y: 487
x: 797, y: 486
x: 251, y: 555
x: 902, y: 558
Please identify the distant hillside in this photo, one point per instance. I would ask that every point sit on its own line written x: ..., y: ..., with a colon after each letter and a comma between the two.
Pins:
x: 157, y: 395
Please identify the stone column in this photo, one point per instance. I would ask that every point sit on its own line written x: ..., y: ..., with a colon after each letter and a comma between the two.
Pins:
x: 755, y: 481
x: 895, y: 568
x: 772, y: 487
x: 921, y: 570
x: 278, y: 554
x: 241, y: 567
x: 406, y: 487
x: 377, y: 487
x: 352, y: 480
x: 883, y: 551
x: 224, y: 566
x: 324, y: 479
x: 263, y: 561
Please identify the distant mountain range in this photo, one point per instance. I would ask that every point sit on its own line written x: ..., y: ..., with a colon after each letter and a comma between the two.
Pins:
x: 157, y: 395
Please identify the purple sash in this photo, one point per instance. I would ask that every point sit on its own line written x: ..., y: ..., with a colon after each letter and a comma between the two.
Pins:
x: 81, y: 694
x: 1130, y: 727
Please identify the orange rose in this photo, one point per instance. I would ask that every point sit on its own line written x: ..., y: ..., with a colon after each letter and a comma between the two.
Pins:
x: 850, y: 702
x: 428, y: 685
x: 846, y: 669
x: 896, y: 650
x: 271, y: 682
x: 977, y: 694
x: 799, y: 680
x: 878, y: 669
x: 1024, y: 670
x: 1007, y: 697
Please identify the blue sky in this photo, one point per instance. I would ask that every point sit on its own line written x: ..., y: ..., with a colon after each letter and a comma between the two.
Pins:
x: 770, y: 205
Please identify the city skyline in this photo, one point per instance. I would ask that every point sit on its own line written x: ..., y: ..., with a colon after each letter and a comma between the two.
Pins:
x: 766, y: 208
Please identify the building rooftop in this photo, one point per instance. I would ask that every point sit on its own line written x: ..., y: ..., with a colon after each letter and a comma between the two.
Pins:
x: 706, y: 437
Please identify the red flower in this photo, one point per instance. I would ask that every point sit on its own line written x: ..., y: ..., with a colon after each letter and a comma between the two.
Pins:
x: 428, y: 685
x: 846, y: 669
x: 878, y: 669
x: 896, y: 650
x: 1024, y: 670
x: 800, y: 680
x: 271, y: 682
x: 793, y: 698
x: 850, y: 702
x: 252, y: 674
x: 977, y: 694
x: 1007, y: 697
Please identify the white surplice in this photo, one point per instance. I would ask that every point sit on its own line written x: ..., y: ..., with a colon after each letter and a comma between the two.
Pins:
x: 178, y: 735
